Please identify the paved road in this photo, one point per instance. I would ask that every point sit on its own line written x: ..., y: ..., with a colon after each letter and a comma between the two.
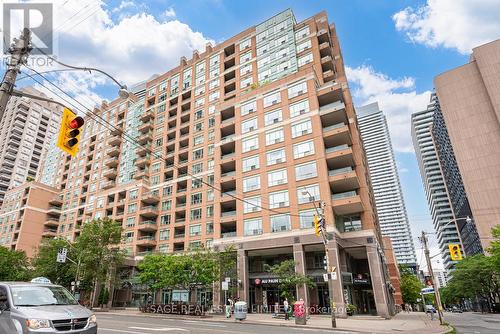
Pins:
x: 474, y: 323
x: 113, y: 324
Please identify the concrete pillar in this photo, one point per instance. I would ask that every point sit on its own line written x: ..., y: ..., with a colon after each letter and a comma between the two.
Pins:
x: 336, y: 285
x: 299, y: 256
x: 158, y: 295
x: 216, y: 295
x: 242, y: 261
x: 378, y: 282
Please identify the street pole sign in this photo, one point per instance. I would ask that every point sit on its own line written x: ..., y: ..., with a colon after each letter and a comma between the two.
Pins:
x: 61, y: 255
x: 225, y: 286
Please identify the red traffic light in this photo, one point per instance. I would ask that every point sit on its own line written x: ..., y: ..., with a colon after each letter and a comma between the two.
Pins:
x: 76, y: 122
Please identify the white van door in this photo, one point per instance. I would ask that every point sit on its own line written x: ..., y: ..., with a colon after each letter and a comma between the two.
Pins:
x: 6, y: 324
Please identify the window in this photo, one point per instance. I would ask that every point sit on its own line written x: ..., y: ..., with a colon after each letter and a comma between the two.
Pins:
x: 301, y: 128
x: 195, y: 230
x: 195, y: 214
x: 198, y: 154
x: 198, y: 114
x: 303, y: 149
x: 210, y: 211
x: 199, y: 102
x: 245, y: 69
x: 297, y: 89
x: 304, y: 46
x: 196, y: 183
x: 196, y: 198
x: 164, y: 235
x: 349, y: 224
x: 165, y: 220
x: 132, y: 208
x: 278, y: 199
x: 306, y: 218
x: 303, y: 32
x: 130, y: 222
x: 210, y: 227
x: 299, y: 108
x: 198, y: 140
x: 275, y: 157
x: 167, y: 191
x: 305, y: 171
x: 275, y: 136
x: 245, y: 44
x: 272, y: 117
x: 308, y: 194
x: 276, y: 177
x: 280, y: 223
x: 213, y: 84
x: 305, y: 59
x: 249, y: 144
x: 248, y: 108
x: 246, y: 82
x: 214, y: 73
x: 156, y: 167
x: 253, y: 226
x: 199, y: 90
x: 214, y: 60
x: 251, y: 183
x: 245, y: 57
x: 132, y: 194
x: 249, y: 125
x: 271, y: 99
x: 213, y: 96
x: 166, y: 205
x: 251, y: 163
x: 163, y: 248
x: 252, y: 204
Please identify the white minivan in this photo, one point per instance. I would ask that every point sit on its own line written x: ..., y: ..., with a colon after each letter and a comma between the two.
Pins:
x: 27, y: 308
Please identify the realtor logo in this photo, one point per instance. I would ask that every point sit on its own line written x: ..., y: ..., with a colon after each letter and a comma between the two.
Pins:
x: 38, y: 17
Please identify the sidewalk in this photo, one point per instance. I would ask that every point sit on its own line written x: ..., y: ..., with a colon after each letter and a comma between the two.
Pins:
x: 415, y: 322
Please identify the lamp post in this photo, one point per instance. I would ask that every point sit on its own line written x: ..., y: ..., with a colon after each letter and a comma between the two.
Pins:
x: 468, y: 221
x: 321, y: 216
x: 72, y: 261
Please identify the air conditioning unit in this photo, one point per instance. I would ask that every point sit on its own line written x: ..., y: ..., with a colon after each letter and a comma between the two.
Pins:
x: 253, y: 167
x: 275, y: 101
x: 251, y: 128
x: 302, y: 111
x: 276, y: 120
x: 281, y: 204
x: 279, y: 160
x: 305, y: 132
x: 283, y: 228
x: 300, y: 92
x: 251, y: 110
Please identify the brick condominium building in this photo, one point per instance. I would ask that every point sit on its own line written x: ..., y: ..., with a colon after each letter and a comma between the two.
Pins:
x: 236, y: 146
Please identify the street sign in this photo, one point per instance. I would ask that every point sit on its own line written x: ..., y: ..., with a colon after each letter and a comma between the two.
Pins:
x: 228, y: 279
x: 325, y: 277
x: 334, y: 275
x: 61, y: 255
x: 225, y: 286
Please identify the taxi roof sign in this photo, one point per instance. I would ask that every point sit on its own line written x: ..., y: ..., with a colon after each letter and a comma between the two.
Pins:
x: 42, y: 280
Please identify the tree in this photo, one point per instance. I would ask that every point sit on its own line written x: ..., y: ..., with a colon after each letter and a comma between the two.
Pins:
x: 45, y: 264
x: 288, y: 279
x: 13, y: 265
x: 98, y: 251
x: 410, y: 285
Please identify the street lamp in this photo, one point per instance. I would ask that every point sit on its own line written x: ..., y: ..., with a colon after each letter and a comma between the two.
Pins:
x: 76, y: 263
x: 323, y: 232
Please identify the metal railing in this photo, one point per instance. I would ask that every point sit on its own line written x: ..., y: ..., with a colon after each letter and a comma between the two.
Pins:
x: 343, y: 195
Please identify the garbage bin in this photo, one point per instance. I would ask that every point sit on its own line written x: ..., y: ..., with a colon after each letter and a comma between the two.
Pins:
x: 299, y: 311
x: 240, y: 310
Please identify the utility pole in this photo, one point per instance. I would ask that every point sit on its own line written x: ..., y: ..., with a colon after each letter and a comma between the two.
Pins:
x: 19, y: 51
x: 424, y: 240
x: 328, y: 267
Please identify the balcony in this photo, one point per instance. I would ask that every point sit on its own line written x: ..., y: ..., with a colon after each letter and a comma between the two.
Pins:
x: 51, y: 222
x: 150, y: 198
x: 328, y: 75
x: 115, y: 140
x: 144, y: 138
x: 56, y: 201
x: 149, y: 211
x: 111, y: 173
x: 148, y: 226
x: 108, y: 184
x: 228, y: 234
x: 336, y: 134
x: 141, y: 174
x: 49, y: 233
x: 347, y: 203
x: 327, y: 63
x: 146, y: 127
x: 147, y: 115
x: 54, y: 210
x: 115, y: 131
x: 227, y: 155
x: 143, y: 150
x: 114, y: 151
x: 343, y: 179
x: 146, y: 241
x: 339, y: 156
x: 325, y: 49
x: 111, y: 162
x: 144, y: 161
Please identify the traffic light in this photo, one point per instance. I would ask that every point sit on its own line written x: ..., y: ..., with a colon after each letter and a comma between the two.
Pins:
x: 316, y: 225
x: 70, y: 131
x: 455, y: 252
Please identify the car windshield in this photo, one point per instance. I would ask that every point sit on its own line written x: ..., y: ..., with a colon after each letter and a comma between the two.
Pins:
x: 41, y: 295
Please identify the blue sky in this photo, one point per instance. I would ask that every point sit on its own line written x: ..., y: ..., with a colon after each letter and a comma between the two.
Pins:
x: 392, y: 50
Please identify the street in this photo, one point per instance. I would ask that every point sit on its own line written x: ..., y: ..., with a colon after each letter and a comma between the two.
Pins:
x: 112, y: 324
x: 474, y: 323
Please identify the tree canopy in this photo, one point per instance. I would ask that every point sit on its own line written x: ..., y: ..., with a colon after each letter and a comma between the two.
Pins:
x: 288, y: 279
x: 410, y: 285
x: 14, y: 265
x: 45, y: 264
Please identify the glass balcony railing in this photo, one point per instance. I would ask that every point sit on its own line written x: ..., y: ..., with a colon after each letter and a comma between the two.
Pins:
x: 337, y: 148
x: 334, y: 126
x: 343, y: 195
x: 338, y: 171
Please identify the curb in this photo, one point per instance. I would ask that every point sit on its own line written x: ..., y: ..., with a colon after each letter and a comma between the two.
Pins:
x: 250, y: 322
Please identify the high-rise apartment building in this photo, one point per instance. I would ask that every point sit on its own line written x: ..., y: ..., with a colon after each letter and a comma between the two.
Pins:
x: 26, y: 129
x: 433, y: 180
x: 470, y: 103
x: 236, y: 146
x: 454, y: 185
x: 391, y: 209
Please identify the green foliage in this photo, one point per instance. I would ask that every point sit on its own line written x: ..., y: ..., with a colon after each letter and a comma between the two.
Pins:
x: 410, y: 285
x: 45, y: 264
x: 13, y: 265
x: 196, y: 269
x: 97, y: 248
x: 103, y: 297
x: 287, y: 277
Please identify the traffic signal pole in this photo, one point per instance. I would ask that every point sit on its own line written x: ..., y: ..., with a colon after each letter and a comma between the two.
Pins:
x: 19, y: 51
x: 424, y: 240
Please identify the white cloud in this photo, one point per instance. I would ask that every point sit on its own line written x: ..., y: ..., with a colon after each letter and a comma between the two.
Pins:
x: 396, y: 97
x: 455, y: 24
x: 170, y: 12
x: 131, y: 48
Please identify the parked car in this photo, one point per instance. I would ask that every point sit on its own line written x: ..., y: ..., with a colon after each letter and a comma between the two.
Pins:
x: 27, y: 308
x: 430, y: 308
x: 455, y: 309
